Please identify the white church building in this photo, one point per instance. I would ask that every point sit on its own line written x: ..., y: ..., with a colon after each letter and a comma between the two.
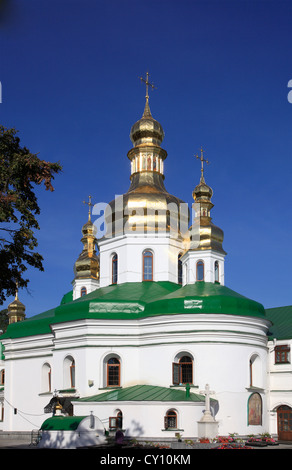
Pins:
x: 149, y: 325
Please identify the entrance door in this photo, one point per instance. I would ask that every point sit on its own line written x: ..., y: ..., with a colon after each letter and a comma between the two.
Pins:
x: 284, y: 415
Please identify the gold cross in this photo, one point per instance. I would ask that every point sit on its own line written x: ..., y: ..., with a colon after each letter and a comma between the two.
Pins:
x: 147, y: 84
x: 89, y: 206
x: 202, y: 163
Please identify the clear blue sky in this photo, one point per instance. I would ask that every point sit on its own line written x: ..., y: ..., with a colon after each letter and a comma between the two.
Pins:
x: 69, y: 74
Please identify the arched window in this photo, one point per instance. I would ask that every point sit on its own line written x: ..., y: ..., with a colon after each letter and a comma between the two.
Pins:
x: 115, y: 269
x: 116, y: 422
x: 182, y: 371
x: 2, y: 377
x: 216, y: 271
x: 83, y: 291
x: 69, y: 372
x: 46, y: 378
x: 113, y: 372
x: 170, y: 419
x: 255, y: 410
x: 147, y: 265
x: 200, y: 270
x: 255, y: 371
x: 179, y: 269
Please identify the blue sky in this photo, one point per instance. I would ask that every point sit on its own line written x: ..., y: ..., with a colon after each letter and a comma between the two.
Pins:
x: 69, y: 74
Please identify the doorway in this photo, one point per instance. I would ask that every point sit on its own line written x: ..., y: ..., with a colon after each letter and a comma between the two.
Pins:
x: 284, y: 418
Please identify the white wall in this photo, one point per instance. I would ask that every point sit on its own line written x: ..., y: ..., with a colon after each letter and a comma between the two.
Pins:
x: 130, y: 264
x: 221, y: 346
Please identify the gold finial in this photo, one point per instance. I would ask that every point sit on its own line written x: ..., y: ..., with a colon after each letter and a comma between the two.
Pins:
x: 89, y: 206
x: 202, y: 164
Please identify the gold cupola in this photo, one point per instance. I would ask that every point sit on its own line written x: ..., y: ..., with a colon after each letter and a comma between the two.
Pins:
x: 87, y: 264
x: 147, y: 206
x: 210, y: 236
x: 16, y: 310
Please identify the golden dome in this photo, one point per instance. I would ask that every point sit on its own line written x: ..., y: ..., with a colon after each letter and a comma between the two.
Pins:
x: 147, y: 130
x: 205, y: 234
x: 146, y: 207
x: 87, y: 264
x: 16, y: 310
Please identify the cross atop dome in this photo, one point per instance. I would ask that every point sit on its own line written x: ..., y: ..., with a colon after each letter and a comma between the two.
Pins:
x: 147, y: 111
x: 203, y: 160
x: 89, y: 203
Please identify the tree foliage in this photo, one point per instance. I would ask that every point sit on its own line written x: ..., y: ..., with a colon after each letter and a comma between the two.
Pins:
x: 4, y: 320
x: 20, y: 172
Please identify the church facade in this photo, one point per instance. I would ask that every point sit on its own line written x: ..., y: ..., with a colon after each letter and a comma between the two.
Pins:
x: 149, y: 325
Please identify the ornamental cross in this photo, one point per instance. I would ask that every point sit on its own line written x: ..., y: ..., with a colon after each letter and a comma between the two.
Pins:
x: 207, y: 392
x: 89, y: 206
x: 147, y: 84
x: 202, y: 163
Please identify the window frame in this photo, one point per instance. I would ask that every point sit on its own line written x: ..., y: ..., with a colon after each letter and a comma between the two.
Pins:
x: 200, y: 262
x: 116, y: 422
x: 150, y: 256
x: 179, y: 270
x: 72, y: 374
x: 116, y: 365
x: 171, y: 414
x: 83, y: 291
x: 216, y: 271
x: 177, y: 370
x: 114, y: 268
x: 2, y: 377
x: 279, y: 351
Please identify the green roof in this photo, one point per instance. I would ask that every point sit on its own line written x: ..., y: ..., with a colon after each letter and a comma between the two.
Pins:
x: 62, y: 423
x: 208, y: 297
x: 136, y: 300
x: 281, y: 318
x: 145, y: 393
x: 67, y: 298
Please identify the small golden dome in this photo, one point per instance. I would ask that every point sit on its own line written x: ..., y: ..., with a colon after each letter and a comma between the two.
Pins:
x: 16, y: 310
x: 87, y: 264
x: 147, y: 130
x: 203, y: 231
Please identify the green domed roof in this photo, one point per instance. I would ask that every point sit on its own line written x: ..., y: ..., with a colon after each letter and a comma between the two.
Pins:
x: 135, y: 300
x: 210, y: 298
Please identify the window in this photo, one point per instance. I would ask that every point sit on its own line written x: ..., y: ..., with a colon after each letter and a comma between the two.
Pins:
x: 170, y: 420
x: 69, y: 372
x: 46, y: 378
x: 113, y: 372
x: 147, y: 265
x: 216, y: 271
x: 282, y: 354
x: 255, y: 409
x: 255, y: 371
x: 182, y: 371
x: 200, y: 271
x: 2, y: 377
x: 72, y: 374
x: 83, y: 291
x: 116, y: 422
x: 179, y: 269
x: 115, y: 269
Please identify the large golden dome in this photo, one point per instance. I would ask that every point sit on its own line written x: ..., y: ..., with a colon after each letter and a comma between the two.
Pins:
x: 146, y: 207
